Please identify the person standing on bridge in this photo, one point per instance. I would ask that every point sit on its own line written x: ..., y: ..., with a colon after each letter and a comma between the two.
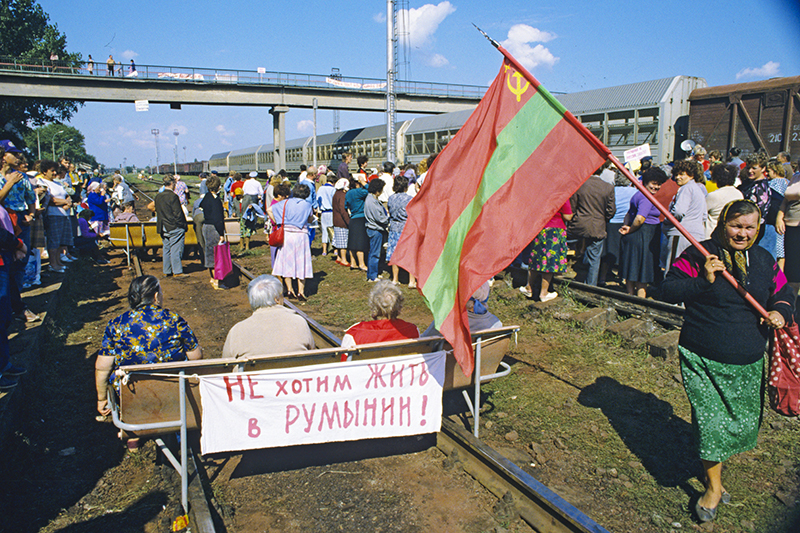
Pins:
x: 90, y: 65
x: 171, y: 225
x: 110, y: 66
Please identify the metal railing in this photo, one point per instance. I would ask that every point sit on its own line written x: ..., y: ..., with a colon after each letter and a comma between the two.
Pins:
x: 236, y: 77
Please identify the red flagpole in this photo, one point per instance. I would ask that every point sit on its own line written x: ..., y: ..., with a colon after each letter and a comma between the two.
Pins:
x: 602, y: 148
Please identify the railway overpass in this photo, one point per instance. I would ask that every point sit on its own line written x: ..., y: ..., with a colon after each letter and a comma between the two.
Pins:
x: 178, y: 86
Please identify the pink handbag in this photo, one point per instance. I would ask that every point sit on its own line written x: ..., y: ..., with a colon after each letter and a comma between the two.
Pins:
x: 222, y: 260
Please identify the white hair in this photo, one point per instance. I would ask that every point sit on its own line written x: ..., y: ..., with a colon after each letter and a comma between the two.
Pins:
x: 264, y: 291
x: 385, y: 300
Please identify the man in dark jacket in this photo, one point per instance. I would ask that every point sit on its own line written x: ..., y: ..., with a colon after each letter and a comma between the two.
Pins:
x: 593, y: 206
x: 171, y: 225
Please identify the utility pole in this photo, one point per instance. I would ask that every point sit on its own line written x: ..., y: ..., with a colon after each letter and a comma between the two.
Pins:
x: 314, y: 142
x: 155, y: 133
x: 336, y: 75
x: 175, y: 133
x: 53, y: 142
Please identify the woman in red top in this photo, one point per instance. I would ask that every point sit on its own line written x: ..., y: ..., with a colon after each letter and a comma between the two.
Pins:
x: 385, y: 304
x: 549, y: 254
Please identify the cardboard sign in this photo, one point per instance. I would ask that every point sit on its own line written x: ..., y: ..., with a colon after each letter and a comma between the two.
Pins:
x: 635, y: 154
x: 142, y: 105
x: 391, y: 397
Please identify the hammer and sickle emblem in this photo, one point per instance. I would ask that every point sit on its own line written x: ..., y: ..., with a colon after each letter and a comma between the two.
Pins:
x: 520, y: 89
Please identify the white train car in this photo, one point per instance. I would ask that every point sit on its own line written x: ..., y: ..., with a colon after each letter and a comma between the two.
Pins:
x: 654, y: 112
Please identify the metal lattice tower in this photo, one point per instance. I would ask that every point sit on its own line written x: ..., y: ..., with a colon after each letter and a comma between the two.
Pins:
x: 391, y: 66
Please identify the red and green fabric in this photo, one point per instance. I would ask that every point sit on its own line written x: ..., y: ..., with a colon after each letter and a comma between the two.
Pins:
x: 512, y: 165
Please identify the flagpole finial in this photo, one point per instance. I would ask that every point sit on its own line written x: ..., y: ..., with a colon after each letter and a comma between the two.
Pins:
x: 494, y: 43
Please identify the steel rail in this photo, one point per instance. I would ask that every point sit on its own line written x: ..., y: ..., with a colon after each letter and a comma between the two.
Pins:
x: 540, y: 507
x: 666, y: 314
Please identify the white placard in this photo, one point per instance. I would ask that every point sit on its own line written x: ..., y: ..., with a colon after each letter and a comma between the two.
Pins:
x: 261, y: 70
x: 635, y: 154
x: 390, y: 397
x: 142, y: 105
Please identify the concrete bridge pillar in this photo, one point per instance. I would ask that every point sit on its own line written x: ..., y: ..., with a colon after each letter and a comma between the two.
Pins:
x: 278, y: 113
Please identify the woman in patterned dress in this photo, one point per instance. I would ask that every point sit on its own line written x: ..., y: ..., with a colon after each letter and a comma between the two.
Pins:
x: 147, y: 333
x: 549, y: 254
x: 722, y: 340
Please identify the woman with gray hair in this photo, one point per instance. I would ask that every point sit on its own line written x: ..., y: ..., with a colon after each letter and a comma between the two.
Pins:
x: 287, y: 331
x: 385, y: 303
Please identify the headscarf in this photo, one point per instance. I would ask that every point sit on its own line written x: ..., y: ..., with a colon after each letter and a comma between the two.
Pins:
x: 480, y: 298
x: 735, y: 260
x: 342, y: 184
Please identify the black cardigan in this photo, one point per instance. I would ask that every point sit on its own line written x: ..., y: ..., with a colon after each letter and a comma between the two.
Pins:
x: 719, y: 324
x: 213, y: 212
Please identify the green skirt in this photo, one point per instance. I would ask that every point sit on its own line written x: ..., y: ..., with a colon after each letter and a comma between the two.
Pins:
x: 727, y: 402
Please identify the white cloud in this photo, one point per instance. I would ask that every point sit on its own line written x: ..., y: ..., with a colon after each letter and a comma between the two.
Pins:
x: 769, y: 70
x: 305, y: 125
x: 520, y: 37
x: 129, y: 54
x: 380, y: 18
x: 224, y: 131
x: 421, y: 23
x: 438, y: 60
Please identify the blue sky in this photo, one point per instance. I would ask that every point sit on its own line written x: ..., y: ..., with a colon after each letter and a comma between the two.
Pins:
x: 569, y: 45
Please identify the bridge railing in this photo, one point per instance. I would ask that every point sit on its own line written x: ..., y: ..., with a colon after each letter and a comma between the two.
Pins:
x: 232, y: 76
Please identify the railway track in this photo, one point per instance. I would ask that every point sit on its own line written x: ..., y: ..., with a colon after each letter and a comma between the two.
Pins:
x: 538, y: 506
x: 668, y: 315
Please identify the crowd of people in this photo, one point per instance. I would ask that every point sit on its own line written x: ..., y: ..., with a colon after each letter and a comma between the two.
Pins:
x: 745, y: 212
x: 49, y: 211
x: 620, y: 235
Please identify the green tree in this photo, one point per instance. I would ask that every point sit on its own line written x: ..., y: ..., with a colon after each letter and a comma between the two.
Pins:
x: 64, y: 140
x: 26, y: 35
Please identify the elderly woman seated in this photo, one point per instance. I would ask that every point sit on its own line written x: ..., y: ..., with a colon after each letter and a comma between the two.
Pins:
x: 385, y: 303
x: 272, y: 328
x: 477, y: 312
x: 147, y: 333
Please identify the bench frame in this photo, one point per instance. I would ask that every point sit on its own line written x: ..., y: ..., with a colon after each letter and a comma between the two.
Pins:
x: 179, y: 370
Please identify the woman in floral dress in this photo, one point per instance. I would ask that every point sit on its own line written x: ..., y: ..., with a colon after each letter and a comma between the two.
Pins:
x: 549, y: 254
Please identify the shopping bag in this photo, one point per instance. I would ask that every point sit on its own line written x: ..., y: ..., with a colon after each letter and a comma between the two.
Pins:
x: 222, y: 260
x: 783, y: 385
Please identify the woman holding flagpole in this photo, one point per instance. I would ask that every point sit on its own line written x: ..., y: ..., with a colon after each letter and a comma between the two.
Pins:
x: 722, y: 340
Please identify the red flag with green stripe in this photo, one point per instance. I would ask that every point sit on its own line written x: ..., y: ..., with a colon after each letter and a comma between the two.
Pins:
x: 512, y: 165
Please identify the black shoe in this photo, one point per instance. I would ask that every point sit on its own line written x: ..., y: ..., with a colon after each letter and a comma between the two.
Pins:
x: 14, y: 371
x: 6, y: 383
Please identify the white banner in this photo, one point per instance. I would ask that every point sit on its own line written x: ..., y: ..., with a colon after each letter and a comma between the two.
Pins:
x: 345, y: 84
x: 391, y: 397
x: 635, y: 154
